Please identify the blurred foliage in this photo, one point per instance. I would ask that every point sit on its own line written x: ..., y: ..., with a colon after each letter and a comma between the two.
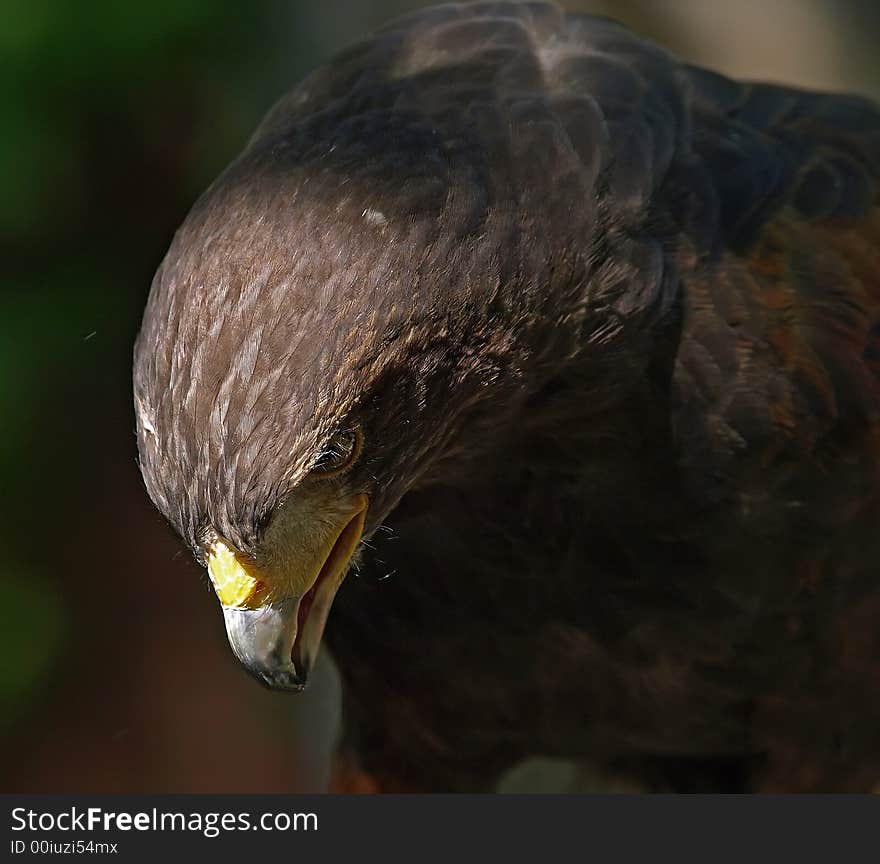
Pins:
x: 29, y: 615
x: 113, y: 117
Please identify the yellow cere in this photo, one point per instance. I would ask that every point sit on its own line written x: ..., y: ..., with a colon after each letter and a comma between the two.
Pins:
x: 233, y: 584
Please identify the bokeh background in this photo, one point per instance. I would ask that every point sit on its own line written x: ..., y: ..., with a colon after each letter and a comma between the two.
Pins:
x: 114, y: 670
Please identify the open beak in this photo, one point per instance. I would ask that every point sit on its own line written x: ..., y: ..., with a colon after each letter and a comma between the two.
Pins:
x: 275, y: 621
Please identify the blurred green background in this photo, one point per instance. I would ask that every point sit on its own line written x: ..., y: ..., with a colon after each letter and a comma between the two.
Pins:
x: 114, y: 670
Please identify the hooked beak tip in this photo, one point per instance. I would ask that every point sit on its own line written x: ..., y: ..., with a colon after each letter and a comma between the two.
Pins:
x: 262, y: 639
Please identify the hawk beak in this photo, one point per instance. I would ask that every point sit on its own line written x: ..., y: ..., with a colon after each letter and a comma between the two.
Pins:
x: 263, y: 641
x: 276, y: 634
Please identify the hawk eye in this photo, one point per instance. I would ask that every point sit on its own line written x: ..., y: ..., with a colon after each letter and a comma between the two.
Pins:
x: 340, y: 453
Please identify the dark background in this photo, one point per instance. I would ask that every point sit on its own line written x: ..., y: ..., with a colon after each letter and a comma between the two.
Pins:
x: 114, y: 670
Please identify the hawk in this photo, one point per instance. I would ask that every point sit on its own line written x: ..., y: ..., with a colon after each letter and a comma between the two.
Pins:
x: 568, y: 354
